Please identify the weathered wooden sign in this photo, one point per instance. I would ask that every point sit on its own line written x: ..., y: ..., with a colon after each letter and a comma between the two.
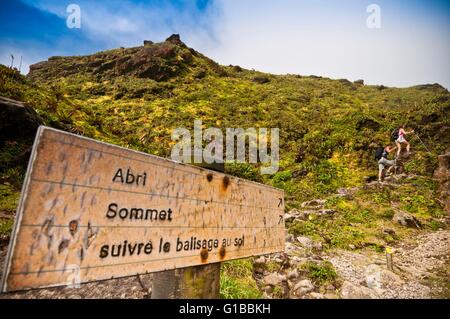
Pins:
x: 91, y: 211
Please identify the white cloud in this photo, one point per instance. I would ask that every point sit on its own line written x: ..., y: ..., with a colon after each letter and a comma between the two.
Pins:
x: 331, y: 40
x: 128, y: 23
x: 29, y: 55
x: 327, y: 38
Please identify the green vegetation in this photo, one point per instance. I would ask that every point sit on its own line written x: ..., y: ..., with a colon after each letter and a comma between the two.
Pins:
x: 9, y: 198
x: 360, y: 221
x: 236, y: 281
x: 321, y: 273
x: 6, y: 227
x: 326, y: 126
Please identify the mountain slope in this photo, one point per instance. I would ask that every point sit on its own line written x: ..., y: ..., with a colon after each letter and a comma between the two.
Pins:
x: 328, y: 127
x: 135, y: 97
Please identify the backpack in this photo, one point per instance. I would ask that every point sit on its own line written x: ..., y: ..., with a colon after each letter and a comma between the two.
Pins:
x: 379, y: 153
x: 395, y: 134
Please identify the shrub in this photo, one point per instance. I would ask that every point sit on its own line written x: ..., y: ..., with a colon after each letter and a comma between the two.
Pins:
x: 320, y: 273
x: 236, y: 280
x: 243, y: 170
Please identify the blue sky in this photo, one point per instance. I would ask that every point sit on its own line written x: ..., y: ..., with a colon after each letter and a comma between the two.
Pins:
x: 327, y: 38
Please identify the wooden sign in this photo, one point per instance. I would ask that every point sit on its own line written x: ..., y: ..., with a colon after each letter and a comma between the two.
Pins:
x: 91, y: 211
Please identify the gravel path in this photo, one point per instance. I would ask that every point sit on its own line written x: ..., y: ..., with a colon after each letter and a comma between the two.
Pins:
x: 415, y: 267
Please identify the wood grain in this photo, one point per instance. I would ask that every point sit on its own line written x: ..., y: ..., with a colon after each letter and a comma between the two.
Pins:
x: 63, y: 222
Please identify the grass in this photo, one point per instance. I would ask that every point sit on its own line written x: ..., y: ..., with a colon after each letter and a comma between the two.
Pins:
x: 360, y: 221
x: 9, y: 198
x: 440, y: 282
x: 321, y: 273
x: 6, y: 226
x: 326, y: 126
x: 236, y: 280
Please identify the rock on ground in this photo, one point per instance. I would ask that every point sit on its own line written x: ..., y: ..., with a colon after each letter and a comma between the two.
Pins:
x: 412, y: 265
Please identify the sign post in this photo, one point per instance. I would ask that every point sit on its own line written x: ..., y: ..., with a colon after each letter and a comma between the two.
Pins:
x: 196, y: 282
x: 92, y: 211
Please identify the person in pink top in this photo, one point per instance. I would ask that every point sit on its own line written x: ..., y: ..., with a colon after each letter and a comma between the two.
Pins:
x: 401, y: 139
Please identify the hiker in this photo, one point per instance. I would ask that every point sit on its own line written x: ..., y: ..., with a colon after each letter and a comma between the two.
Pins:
x: 400, y: 138
x: 381, y: 154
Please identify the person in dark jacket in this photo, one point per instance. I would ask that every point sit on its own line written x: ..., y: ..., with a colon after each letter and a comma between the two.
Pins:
x: 383, y: 162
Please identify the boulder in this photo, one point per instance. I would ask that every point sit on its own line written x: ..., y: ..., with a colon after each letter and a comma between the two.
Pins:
x: 266, y: 295
x: 175, y: 39
x: 303, y: 215
x: 373, y: 276
x: 303, y: 287
x: 289, y: 238
x: 260, y: 260
x: 296, y: 260
x: 315, y: 203
x: 259, y: 265
x: 406, y: 220
x: 389, y: 231
x: 317, y: 245
x: 18, y: 121
x: 292, y: 275
x: 274, y: 279
x: 288, y: 217
x: 18, y: 124
x: 268, y: 289
x: 388, y: 277
x: 261, y: 79
x: 316, y: 295
x: 330, y: 287
x: 327, y: 212
x: 352, y: 291
x: 290, y: 248
x: 258, y: 270
x: 442, y: 174
x: 305, y: 241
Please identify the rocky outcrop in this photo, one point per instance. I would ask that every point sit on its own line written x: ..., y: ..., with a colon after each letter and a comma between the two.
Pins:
x: 175, y: 39
x: 442, y: 174
x: 406, y: 220
x: 313, y: 207
x: 18, y: 125
x: 156, y: 61
x: 273, y: 279
x: 18, y: 121
x: 303, y: 287
x: 352, y: 291
x: 261, y: 79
